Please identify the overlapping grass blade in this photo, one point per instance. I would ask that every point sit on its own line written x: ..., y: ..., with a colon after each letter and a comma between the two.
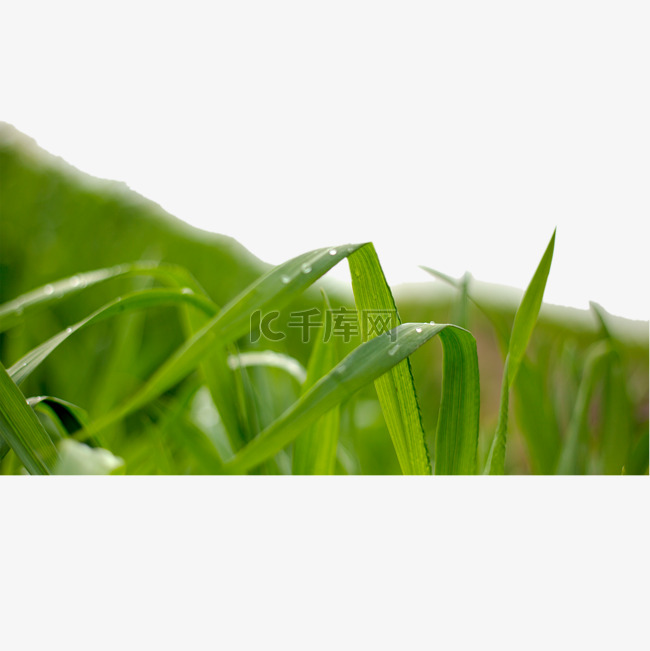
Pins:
x: 273, y: 290
x: 14, y: 311
x: 314, y: 451
x: 136, y: 301
x: 363, y: 365
x: 522, y: 328
x: 66, y: 417
x: 22, y: 431
x: 395, y: 390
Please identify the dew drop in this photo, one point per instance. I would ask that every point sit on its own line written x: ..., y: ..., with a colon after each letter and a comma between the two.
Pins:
x: 48, y: 289
x: 186, y: 290
x: 432, y: 323
x: 393, y: 350
x: 68, y: 330
x: 285, y: 279
x: 75, y: 281
x: 341, y: 369
x: 333, y: 251
x: 418, y: 330
x: 306, y: 268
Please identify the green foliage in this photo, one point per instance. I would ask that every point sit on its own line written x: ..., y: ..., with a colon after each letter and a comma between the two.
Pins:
x: 146, y: 357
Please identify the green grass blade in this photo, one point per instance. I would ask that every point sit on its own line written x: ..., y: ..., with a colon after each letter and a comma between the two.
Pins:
x: 363, y: 365
x: 536, y: 415
x: 526, y: 315
x: 522, y: 329
x: 457, y: 430
x: 22, y: 431
x: 314, y: 451
x: 68, y: 418
x: 395, y: 390
x: 174, y: 426
x: 13, y: 312
x: 570, y: 462
x: 271, y: 359
x: 274, y: 290
x: 136, y: 301
x: 616, y: 411
x: 616, y: 434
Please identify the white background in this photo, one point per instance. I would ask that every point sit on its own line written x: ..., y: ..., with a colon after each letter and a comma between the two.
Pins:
x: 455, y: 135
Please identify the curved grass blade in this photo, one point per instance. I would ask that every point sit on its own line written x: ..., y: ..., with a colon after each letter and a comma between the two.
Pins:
x: 22, y: 431
x: 522, y: 328
x: 271, y: 359
x: 395, y: 390
x: 62, y: 418
x: 136, y: 301
x: 72, y: 417
x: 314, y: 451
x: 274, y: 290
x: 363, y: 365
x: 12, y: 312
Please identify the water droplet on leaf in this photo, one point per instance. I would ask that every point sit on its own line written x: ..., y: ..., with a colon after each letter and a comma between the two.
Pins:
x: 48, y: 289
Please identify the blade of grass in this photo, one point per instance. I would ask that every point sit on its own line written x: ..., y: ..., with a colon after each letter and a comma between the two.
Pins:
x: 272, y: 291
x: 13, y: 312
x: 271, y: 359
x: 363, y: 365
x: 616, y: 431
x: 71, y: 417
x: 314, y: 451
x: 136, y: 301
x: 395, y: 390
x: 571, y: 457
x: 522, y: 328
x: 22, y: 431
x: 537, y: 418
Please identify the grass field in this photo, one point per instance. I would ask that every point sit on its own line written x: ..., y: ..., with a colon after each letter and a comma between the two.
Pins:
x: 132, y: 343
